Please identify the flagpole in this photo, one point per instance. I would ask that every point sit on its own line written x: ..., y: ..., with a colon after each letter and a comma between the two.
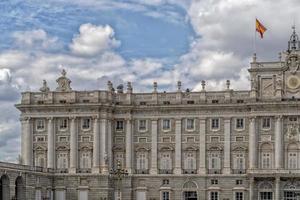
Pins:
x: 255, y: 35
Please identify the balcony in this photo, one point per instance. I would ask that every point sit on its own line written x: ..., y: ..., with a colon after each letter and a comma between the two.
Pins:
x: 166, y: 171
x: 239, y: 171
x: 214, y: 171
x: 86, y: 170
x: 190, y: 171
x: 142, y: 171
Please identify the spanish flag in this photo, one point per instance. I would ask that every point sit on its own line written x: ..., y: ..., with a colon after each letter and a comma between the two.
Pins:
x: 260, y: 28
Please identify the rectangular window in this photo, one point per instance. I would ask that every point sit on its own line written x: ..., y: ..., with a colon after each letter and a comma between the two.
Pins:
x: 215, y: 101
x: 266, y: 160
x: 190, y: 102
x: 239, y: 196
x: 63, y: 124
x: 240, y: 101
x: 165, y: 195
x: 142, y: 125
x: 166, y: 124
x: 215, y: 161
x: 214, y: 181
x: 215, y: 123
x: 266, y: 123
x: 239, y: 161
x: 240, y: 123
x: 86, y: 123
x: 40, y: 124
x: 266, y: 195
x: 239, y: 182
x: 292, y: 160
x: 214, y: 195
x: 120, y: 125
x: 190, y: 124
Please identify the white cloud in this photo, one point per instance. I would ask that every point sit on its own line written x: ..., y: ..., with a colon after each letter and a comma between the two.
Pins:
x: 93, y: 40
x: 35, y: 39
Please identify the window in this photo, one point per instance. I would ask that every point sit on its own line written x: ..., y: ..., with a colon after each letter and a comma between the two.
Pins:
x: 85, y: 161
x: 118, y: 195
x: 166, y: 161
x: 215, y: 123
x: 142, y: 161
x: 214, y: 195
x: 86, y: 123
x: 40, y: 124
x: 190, y: 124
x: 214, y: 181
x: 165, y: 195
x: 142, y: 103
x: 62, y: 161
x: 240, y: 101
x: 239, y: 161
x: 166, y: 124
x: 166, y: 102
x: 239, y: 195
x: 120, y: 125
x: 40, y: 161
x: 266, y: 123
x: 119, y: 157
x: 266, y: 160
x: 240, y: 123
x: 266, y: 195
x: 83, y: 194
x: 215, y: 161
x: 190, y: 102
x: 239, y: 182
x: 165, y: 182
x: 62, y: 101
x: 63, y: 139
x: 40, y: 139
x: 63, y: 124
x: 190, y: 161
x: 86, y: 101
x: 292, y: 160
x: 142, y: 125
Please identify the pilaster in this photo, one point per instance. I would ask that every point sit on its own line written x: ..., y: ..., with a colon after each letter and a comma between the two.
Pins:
x: 73, y: 146
x: 153, y: 169
x: 129, y: 145
x: 227, y: 130
x: 252, y: 143
x: 202, y: 147
x: 51, y: 144
x: 96, y: 146
x: 103, y: 149
x: 178, y: 169
x: 278, y: 142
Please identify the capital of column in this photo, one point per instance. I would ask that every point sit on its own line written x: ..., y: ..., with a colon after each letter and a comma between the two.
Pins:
x: 72, y: 118
x: 24, y: 119
x: 278, y: 118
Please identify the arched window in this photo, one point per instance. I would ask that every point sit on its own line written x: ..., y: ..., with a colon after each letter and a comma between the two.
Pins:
x: 266, y: 156
x: 142, y: 160
x: 292, y: 156
x: 4, y: 192
x: 62, y: 160
x: 85, y: 161
x: 190, y: 160
x: 166, y: 161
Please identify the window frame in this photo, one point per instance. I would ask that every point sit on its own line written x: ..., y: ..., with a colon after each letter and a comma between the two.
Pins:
x: 235, y: 195
x: 162, y: 195
x: 117, y: 126
x: 146, y: 125
x: 37, y: 128
x: 162, y: 125
x: 60, y: 124
x: 83, y: 124
x: 212, y: 128
x: 213, y: 198
x: 237, y: 123
x: 262, y: 123
x: 186, y: 124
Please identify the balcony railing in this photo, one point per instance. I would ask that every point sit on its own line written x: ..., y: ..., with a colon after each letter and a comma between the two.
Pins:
x: 165, y: 171
x: 63, y: 170
x: 239, y: 171
x: 190, y: 171
x: 142, y: 171
x: 214, y: 171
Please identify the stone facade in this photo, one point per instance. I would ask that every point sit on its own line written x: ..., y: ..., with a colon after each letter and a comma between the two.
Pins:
x: 203, y: 145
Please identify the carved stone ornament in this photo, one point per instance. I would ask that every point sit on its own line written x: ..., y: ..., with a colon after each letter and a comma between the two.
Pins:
x: 45, y: 88
x: 63, y: 83
x: 292, y: 131
x: 292, y: 61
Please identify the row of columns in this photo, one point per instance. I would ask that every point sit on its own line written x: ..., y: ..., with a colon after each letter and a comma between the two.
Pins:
x: 102, y: 143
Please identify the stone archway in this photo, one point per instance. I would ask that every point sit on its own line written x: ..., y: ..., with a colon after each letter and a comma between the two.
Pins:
x: 4, y: 187
x: 19, y: 188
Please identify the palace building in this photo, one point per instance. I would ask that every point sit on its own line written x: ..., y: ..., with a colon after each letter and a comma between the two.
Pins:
x: 182, y: 145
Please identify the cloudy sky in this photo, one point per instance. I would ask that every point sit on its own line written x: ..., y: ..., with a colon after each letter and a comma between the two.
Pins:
x: 131, y: 40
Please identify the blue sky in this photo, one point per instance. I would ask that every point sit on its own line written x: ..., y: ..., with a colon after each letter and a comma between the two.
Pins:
x: 141, y: 41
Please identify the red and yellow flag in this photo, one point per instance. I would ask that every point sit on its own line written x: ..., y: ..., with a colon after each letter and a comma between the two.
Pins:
x: 260, y: 28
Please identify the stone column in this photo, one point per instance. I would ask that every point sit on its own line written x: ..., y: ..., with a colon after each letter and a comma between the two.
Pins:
x: 252, y: 144
x: 227, y: 130
x: 129, y: 145
x: 96, y: 147
x: 27, y: 152
x: 103, y: 151
x: 109, y: 143
x: 51, y: 144
x: 278, y: 142
x: 202, y: 147
x: 153, y: 169
x: 277, y: 188
x: 251, y: 188
x: 73, y: 146
x: 177, y: 169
